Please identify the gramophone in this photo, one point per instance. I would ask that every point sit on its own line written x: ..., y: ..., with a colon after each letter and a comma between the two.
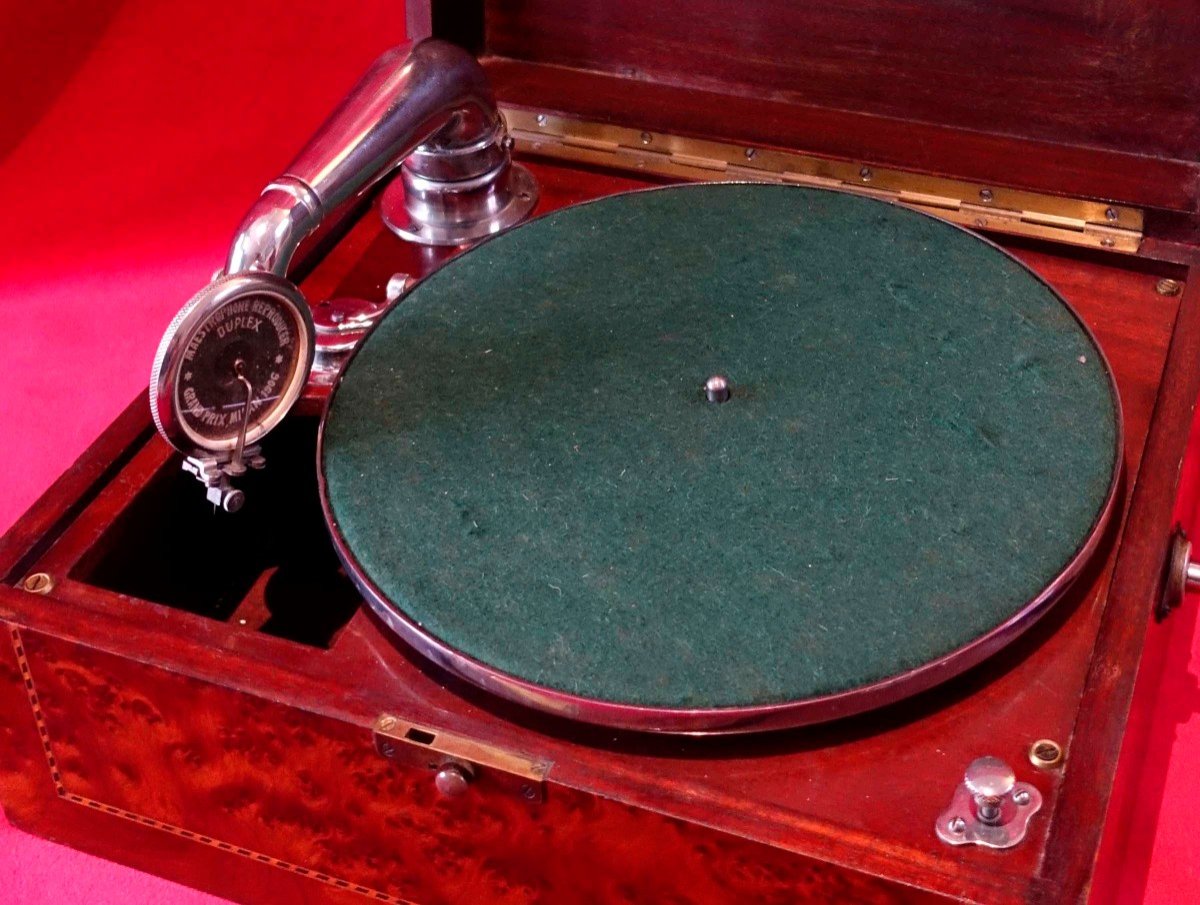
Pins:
x: 593, y: 475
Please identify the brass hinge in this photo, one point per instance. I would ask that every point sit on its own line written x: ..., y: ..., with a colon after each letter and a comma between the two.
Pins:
x: 457, y: 762
x: 1060, y: 219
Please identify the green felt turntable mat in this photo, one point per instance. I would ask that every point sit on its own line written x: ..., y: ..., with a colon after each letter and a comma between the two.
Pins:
x: 921, y: 437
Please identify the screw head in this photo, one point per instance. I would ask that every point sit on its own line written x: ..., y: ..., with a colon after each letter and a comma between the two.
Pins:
x: 1021, y: 797
x: 1045, y: 752
x: 716, y: 388
x: 397, y: 285
x: 647, y: 138
x: 541, y: 119
x: 957, y: 825
x: 387, y: 723
x: 989, y: 777
x: 865, y: 174
x: 38, y: 583
x: 451, y: 780
x: 986, y: 196
x: 1108, y: 243
x: 1111, y: 214
x: 1168, y: 287
x: 751, y: 153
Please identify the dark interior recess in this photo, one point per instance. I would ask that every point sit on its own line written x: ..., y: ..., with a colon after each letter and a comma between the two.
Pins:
x: 270, y: 566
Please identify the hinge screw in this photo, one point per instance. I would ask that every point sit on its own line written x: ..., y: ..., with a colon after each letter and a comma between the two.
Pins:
x: 38, y: 583
x: 751, y: 153
x: 986, y: 196
x: 865, y: 174
x: 647, y: 138
x: 1112, y: 214
x: 387, y: 723
x: 1168, y: 287
x: 541, y: 119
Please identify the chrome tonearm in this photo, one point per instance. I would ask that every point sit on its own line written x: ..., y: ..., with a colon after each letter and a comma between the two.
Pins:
x: 430, y: 110
x: 238, y: 355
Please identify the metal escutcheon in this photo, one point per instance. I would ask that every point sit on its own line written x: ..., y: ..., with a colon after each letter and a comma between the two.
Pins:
x: 989, y: 807
x: 459, y: 763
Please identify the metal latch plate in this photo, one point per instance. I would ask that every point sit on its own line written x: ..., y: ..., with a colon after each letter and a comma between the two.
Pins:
x: 423, y: 747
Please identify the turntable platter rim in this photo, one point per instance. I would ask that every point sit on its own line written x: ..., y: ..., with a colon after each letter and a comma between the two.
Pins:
x: 735, y: 720
x: 757, y: 716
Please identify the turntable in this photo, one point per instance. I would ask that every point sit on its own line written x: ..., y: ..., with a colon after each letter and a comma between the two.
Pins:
x: 596, y: 507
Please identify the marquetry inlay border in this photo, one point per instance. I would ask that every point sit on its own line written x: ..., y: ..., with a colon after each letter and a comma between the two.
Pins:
x: 61, y: 790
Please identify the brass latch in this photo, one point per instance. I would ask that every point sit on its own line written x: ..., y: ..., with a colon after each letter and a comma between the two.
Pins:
x: 1074, y: 221
x: 459, y: 763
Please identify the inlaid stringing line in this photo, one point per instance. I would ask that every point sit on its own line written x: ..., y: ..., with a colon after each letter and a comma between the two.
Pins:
x: 56, y: 777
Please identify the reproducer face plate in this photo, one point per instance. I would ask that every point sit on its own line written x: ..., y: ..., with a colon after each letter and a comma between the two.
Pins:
x: 240, y: 349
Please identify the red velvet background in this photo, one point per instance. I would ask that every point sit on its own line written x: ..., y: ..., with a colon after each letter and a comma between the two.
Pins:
x: 132, y: 137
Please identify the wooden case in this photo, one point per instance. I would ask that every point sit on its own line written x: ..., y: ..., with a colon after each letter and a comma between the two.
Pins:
x: 204, y: 697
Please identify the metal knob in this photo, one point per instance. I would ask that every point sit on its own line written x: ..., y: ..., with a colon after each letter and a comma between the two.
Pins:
x: 989, y: 780
x: 989, y: 807
x: 1182, y: 575
x: 452, y: 780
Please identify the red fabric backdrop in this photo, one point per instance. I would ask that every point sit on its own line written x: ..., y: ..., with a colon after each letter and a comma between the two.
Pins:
x: 132, y: 137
